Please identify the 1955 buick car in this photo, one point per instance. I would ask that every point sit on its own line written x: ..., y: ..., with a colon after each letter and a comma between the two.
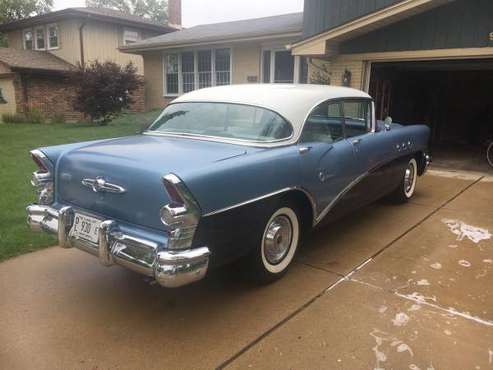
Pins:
x: 224, y: 174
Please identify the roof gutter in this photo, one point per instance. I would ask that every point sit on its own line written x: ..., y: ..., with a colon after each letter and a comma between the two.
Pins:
x: 135, y: 49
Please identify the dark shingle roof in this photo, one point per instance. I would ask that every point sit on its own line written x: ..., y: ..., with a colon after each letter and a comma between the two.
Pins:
x: 35, y: 60
x: 249, y: 28
x: 102, y: 14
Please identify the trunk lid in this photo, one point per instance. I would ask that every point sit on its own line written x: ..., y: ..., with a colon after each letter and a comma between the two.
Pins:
x: 137, y: 164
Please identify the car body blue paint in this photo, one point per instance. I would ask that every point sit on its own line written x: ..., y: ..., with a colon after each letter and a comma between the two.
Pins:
x: 219, y: 175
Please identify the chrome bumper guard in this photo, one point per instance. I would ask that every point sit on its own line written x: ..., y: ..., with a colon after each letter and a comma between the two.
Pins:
x: 171, y: 269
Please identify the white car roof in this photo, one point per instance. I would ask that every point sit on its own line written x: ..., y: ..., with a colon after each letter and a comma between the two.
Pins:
x: 292, y: 101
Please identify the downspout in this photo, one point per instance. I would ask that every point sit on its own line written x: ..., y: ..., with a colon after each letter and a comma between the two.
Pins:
x: 81, y: 40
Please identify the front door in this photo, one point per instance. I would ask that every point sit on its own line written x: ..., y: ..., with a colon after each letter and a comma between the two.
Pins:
x: 371, y: 149
x: 328, y: 160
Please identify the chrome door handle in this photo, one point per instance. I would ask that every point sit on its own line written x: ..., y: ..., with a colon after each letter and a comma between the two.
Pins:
x: 304, y: 149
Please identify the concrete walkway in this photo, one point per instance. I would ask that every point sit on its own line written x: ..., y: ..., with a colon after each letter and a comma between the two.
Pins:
x: 390, y: 287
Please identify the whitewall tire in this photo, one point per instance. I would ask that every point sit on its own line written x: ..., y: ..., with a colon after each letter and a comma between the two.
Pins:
x: 407, y: 187
x: 410, y: 178
x: 280, y: 240
x: 275, y: 245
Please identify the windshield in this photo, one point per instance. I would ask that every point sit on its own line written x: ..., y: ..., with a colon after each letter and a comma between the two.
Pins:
x: 222, y: 120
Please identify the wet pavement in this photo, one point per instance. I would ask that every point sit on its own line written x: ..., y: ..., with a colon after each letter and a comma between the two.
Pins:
x: 388, y: 287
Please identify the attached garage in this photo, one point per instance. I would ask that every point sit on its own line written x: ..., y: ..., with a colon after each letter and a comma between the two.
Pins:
x: 452, y: 96
x: 423, y: 61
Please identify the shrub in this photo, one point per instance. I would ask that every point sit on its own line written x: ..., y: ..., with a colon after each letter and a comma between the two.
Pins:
x: 104, y: 89
x: 58, y: 118
x: 13, y: 118
x: 35, y: 116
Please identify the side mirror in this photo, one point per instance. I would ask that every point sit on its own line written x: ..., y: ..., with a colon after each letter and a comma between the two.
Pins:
x: 388, y: 123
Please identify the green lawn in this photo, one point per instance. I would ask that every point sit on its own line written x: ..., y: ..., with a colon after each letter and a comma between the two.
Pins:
x: 16, y: 166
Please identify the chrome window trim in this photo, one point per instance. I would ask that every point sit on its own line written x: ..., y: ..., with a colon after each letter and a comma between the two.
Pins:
x: 373, y: 124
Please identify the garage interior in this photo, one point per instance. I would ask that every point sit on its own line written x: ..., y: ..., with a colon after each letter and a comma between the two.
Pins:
x: 453, y: 97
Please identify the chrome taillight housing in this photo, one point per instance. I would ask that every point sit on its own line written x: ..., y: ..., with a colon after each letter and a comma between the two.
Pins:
x: 42, y: 179
x: 181, y: 215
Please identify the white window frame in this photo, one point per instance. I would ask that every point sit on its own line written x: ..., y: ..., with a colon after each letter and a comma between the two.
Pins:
x: 48, y: 42
x: 196, y: 69
x: 24, y: 38
x: 273, y: 50
x: 165, y: 74
x: 127, y: 32
x: 42, y: 28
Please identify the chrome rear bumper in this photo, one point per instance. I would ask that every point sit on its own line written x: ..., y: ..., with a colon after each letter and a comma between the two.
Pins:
x: 170, y: 269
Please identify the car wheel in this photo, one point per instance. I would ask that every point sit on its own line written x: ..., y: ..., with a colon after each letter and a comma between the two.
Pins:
x: 407, y: 187
x: 277, y: 245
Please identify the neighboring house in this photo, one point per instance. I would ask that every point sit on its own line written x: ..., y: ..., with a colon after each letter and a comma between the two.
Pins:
x: 422, y: 60
x: 248, y: 51
x: 70, y: 36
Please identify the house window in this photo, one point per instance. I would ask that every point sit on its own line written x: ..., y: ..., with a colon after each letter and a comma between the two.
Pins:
x: 40, y: 38
x: 2, y: 99
x: 191, y: 70
x: 28, y: 40
x: 130, y: 37
x: 188, y: 71
x: 53, y: 42
x: 266, y: 66
x: 205, y: 68
x: 172, y: 74
x: 279, y: 66
x: 223, y: 67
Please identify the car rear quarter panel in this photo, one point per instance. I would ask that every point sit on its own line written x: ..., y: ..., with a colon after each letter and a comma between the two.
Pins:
x: 236, y: 180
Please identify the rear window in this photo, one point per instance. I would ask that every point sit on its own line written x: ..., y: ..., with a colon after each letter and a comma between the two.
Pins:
x: 222, y: 120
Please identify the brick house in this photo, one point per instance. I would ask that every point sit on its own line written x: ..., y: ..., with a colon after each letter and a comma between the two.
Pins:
x: 42, y: 49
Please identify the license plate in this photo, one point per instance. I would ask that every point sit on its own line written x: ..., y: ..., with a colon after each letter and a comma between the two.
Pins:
x: 85, y: 227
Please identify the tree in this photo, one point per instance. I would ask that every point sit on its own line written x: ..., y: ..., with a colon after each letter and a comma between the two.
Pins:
x: 155, y: 10
x: 103, y: 90
x: 12, y: 10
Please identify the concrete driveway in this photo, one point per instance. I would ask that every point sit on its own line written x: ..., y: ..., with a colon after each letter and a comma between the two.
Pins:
x: 390, y: 287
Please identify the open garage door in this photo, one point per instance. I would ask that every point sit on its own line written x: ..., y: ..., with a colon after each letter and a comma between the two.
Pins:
x: 453, y: 97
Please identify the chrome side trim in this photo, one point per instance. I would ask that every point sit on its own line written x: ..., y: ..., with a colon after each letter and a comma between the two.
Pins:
x: 285, y: 190
x: 334, y: 201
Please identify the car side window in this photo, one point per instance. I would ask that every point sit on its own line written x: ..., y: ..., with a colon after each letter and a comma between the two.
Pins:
x: 357, y: 117
x: 324, y: 124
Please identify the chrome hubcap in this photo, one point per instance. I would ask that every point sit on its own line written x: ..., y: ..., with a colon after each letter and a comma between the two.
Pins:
x: 409, y: 178
x: 277, y: 239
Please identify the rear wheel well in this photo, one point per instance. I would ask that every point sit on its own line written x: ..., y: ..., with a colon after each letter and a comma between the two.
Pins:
x: 304, y: 205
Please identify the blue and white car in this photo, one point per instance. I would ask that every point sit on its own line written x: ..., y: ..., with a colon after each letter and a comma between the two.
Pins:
x: 233, y: 173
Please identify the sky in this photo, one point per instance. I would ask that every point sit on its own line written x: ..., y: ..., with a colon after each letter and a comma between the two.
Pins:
x: 213, y: 11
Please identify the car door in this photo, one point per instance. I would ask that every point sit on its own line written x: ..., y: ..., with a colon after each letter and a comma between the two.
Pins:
x: 328, y: 163
x: 370, y: 148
